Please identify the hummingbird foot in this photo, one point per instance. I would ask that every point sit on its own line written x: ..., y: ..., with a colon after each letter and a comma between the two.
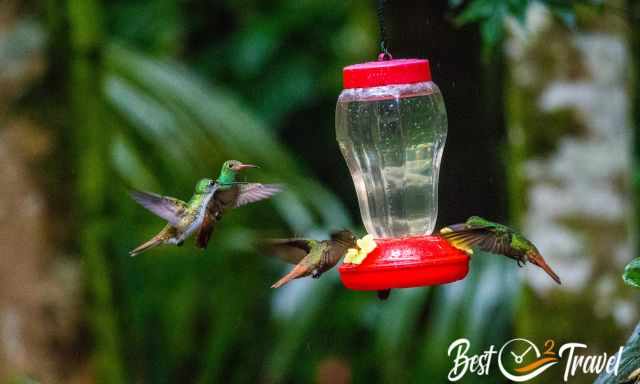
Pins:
x: 315, y: 274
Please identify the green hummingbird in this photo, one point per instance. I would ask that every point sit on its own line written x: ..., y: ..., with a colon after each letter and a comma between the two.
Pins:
x: 182, y: 218
x: 231, y: 194
x: 311, y: 257
x: 487, y: 236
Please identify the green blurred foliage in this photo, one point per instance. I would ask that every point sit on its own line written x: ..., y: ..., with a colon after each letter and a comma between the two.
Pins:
x: 491, y: 15
x: 279, y: 56
x: 631, y: 273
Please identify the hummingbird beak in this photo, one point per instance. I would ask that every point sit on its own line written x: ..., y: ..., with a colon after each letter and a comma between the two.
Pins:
x: 240, y: 167
x: 536, y: 259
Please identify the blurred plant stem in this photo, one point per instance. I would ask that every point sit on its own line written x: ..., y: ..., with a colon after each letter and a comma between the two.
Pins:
x: 91, y: 139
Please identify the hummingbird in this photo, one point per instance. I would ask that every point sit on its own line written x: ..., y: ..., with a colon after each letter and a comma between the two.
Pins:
x: 182, y: 218
x: 231, y: 194
x: 487, y: 236
x: 311, y: 257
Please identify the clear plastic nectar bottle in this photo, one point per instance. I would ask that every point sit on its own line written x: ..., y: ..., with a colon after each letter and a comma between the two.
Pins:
x: 391, y: 126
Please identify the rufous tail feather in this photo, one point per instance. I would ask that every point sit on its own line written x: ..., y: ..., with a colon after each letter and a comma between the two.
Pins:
x: 296, y: 272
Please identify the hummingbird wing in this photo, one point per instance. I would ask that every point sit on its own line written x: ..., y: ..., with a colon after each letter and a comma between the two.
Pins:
x: 467, y: 237
x: 252, y: 192
x: 454, y: 228
x: 290, y: 250
x: 169, y: 208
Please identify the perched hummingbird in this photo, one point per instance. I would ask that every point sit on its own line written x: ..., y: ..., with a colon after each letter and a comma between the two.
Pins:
x: 183, y: 218
x: 495, y: 238
x: 311, y: 257
x: 231, y: 194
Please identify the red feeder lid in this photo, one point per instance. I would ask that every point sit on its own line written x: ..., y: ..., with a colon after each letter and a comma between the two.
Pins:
x: 386, y: 72
x: 406, y: 262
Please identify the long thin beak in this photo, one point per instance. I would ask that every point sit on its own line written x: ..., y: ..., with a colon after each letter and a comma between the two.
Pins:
x: 245, y: 166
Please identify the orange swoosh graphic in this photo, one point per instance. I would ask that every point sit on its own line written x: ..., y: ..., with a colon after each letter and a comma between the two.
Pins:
x: 535, y: 364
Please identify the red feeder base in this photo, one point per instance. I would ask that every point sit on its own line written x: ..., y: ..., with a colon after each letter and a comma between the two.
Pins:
x: 406, y: 262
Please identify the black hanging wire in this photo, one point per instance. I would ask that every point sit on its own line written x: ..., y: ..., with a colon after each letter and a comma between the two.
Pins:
x: 384, y: 54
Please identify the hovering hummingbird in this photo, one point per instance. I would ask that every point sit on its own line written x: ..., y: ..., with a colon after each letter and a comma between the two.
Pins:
x: 231, y: 194
x: 311, y: 257
x: 495, y: 238
x: 182, y: 218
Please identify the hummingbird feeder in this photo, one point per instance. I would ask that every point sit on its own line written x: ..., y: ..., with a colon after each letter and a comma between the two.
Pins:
x: 391, y: 126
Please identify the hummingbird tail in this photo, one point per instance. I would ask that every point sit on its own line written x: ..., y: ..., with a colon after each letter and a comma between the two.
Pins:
x: 154, y: 242
x: 537, y: 259
x: 297, y: 272
x: 168, y: 233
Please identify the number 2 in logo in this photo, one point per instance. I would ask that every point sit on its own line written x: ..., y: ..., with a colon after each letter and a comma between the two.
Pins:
x: 549, y: 345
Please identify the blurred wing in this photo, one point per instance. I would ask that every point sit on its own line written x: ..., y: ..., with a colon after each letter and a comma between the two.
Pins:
x: 466, y: 226
x: 454, y: 228
x: 169, y: 208
x: 467, y: 238
x: 252, y: 192
x: 498, y: 243
x: 290, y: 250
